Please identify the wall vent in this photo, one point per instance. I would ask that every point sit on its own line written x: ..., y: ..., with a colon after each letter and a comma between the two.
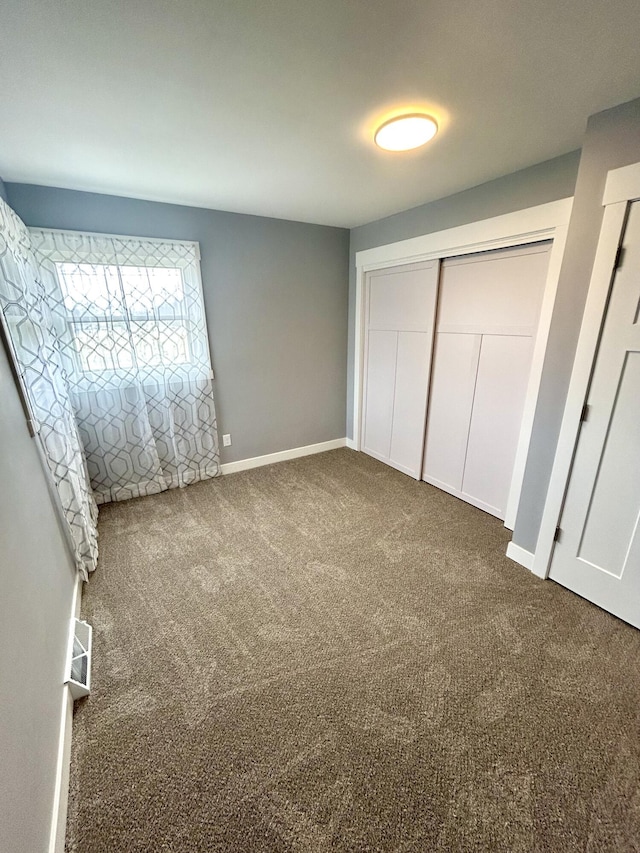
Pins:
x: 79, y: 661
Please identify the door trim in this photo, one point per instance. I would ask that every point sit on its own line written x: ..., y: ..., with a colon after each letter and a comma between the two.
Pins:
x: 531, y: 225
x: 622, y: 186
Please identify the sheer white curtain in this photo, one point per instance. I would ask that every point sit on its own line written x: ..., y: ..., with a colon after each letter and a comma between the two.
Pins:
x: 129, y: 315
x: 32, y: 345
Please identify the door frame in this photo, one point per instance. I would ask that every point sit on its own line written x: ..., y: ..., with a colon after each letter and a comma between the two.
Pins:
x: 622, y: 187
x: 531, y: 225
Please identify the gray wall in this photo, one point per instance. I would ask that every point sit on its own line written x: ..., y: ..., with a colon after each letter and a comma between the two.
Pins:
x: 612, y: 140
x: 3, y: 191
x: 276, y: 301
x: 37, y: 579
x: 539, y: 184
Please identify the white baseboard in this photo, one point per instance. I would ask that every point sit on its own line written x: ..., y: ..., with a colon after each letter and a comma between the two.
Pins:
x: 351, y: 444
x: 61, y: 792
x: 63, y: 764
x: 281, y: 456
x: 519, y: 555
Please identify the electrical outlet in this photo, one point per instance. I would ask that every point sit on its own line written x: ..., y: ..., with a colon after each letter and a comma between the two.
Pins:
x: 226, y: 440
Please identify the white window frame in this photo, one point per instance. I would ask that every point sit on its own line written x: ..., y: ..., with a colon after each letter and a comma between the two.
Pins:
x: 544, y: 222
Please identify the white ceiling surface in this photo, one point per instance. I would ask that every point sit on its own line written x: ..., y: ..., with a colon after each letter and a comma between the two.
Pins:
x: 267, y: 106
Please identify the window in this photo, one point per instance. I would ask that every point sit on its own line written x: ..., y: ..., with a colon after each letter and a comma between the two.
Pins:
x: 125, y: 309
x: 127, y: 316
x: 121, y: 317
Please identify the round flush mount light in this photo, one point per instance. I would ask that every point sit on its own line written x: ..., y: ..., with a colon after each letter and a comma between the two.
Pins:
x: 403, y: 133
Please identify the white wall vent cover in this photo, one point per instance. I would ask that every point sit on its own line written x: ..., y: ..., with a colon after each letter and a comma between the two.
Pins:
x: 79, y: 660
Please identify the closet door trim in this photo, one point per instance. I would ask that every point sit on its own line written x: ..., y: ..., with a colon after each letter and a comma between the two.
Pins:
x: 532, y: 225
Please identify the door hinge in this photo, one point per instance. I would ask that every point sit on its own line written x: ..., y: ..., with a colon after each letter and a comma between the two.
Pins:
x: 584, y: 416
x: 558, y: 534
x: 619, y: 258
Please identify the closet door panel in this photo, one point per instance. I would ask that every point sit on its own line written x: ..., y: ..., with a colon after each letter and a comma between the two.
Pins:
x: 380, y: 389
x: 412, y: 379
x: 501, y: 289
x: 402, y: 298
x: 501, y: 385
x: 450, y: 405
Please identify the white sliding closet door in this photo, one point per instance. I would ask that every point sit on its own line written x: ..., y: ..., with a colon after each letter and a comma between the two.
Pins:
x: 487, y: 320
x: 399, y: 322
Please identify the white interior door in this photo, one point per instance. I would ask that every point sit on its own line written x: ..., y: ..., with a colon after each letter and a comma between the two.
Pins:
x: 399, y: 322
x: 487, y: 319
x: 598, y: 552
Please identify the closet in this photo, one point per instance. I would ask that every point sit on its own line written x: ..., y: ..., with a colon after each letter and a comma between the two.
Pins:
x: 452, y: 420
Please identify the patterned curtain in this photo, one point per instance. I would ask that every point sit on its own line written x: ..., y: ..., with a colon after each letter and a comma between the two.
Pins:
x: 129, y: 316
x: 29, y: 331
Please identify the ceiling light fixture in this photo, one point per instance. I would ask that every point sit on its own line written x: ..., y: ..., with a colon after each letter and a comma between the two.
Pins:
x: 403, y: 133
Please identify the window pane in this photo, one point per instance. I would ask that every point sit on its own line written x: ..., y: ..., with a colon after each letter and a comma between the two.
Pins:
x: 160, y: 343
x: 153, y: 290
x: 108, y: 306
x: 90, y: 289
x: 103, y: 346
x: 101, y: 289
x: 149, y: 344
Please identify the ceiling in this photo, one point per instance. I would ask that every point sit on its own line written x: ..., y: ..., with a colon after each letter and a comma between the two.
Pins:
x: 268, y: 106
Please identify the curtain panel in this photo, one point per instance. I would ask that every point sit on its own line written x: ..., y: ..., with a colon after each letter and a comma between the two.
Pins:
x: 29, y: 331
x: 129, y: 316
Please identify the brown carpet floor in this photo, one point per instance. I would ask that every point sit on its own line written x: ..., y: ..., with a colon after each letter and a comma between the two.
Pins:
x: 325, y: 655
